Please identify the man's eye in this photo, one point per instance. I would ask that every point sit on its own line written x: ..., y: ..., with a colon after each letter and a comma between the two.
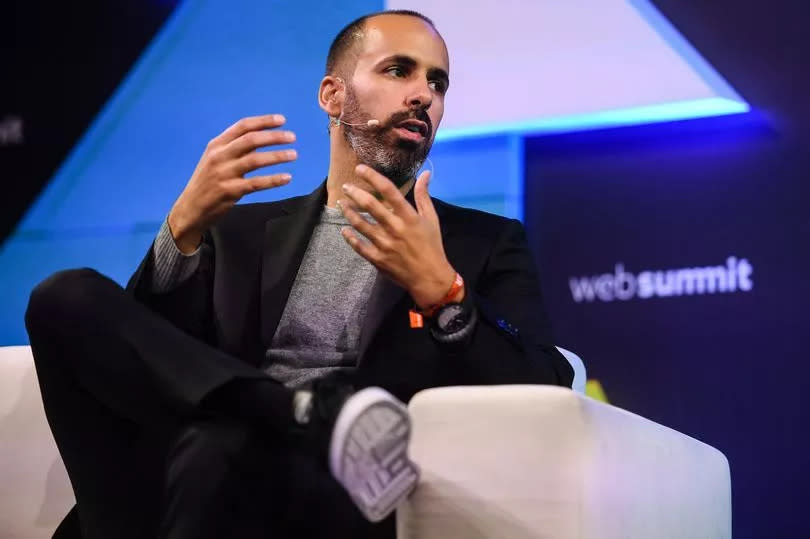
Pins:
x: 396, y: 71
x: 437, y: 86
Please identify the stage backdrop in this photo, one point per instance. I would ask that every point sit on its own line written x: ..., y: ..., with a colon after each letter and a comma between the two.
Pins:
x: 216, y: 61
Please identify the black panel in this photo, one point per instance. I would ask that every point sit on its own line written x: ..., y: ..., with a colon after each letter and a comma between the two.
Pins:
x: 61, y: 61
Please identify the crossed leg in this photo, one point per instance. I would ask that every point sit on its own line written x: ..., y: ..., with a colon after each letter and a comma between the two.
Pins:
x: 124, y: 393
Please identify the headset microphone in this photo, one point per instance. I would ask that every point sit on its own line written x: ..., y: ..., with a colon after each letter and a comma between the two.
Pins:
x: 370, y: 123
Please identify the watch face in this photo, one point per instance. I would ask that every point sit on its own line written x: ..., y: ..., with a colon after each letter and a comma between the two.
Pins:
x: 451, y: 318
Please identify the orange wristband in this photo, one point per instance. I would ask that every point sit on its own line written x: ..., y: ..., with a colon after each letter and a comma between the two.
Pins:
x: 417, y: 317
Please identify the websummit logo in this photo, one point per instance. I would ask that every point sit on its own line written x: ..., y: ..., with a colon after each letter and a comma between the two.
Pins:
x: 734, y: 276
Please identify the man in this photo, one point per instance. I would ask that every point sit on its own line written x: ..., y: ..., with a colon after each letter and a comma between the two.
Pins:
x: 254, y: 385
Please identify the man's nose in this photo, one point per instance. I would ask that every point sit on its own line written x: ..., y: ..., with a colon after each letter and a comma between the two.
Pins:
x: 420, y: 97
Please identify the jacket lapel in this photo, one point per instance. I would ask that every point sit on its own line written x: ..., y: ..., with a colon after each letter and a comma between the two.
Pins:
x: 285, y: 241
x: 384, y: 296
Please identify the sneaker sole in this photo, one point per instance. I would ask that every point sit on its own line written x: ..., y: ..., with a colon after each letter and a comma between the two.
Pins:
x: 368, y: 453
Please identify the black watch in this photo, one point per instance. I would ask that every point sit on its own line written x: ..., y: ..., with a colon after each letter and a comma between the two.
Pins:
x: 454, y: 320
x: 451, y: 318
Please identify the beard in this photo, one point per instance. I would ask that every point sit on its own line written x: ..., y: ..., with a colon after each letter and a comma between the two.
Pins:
x: 379, y: 147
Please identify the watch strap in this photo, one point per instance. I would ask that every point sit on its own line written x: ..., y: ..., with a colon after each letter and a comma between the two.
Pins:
x: 417, y: 316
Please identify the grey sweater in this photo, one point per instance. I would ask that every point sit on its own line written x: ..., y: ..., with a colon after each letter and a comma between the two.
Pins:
x: 319, y: 329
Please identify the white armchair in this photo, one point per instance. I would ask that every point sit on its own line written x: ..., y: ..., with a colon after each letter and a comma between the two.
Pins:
x: 522, y: 462
x: 506, y: 462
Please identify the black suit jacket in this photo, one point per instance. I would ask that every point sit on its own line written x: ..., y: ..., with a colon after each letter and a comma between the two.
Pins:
x: 250, y: 259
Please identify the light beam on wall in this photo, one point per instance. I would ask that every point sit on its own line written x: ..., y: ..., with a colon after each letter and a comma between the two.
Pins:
x: 548, y: 67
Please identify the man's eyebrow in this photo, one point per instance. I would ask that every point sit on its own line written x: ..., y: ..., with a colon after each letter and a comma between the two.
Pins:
x: 399, y: 59
x: 406, y: 60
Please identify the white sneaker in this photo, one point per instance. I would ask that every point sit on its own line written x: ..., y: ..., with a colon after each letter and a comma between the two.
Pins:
x: 368, y: 452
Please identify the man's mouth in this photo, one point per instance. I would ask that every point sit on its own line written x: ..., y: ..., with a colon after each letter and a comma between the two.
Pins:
x: 415, y: 130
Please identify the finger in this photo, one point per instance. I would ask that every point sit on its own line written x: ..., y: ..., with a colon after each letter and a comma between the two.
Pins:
x: 363, y: 248
x: 242, y: 187
x: 256, y: 160
x: 371, y: 232
x: 251, y: 123
x: 256, y: 139
x: 365, y: 201
x: 386, y: 188
x: 424, y: 205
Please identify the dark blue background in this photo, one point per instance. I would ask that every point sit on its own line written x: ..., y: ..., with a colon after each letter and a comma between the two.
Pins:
x: 728, y: 369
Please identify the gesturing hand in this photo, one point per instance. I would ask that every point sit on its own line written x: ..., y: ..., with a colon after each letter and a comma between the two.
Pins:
x: 406, y: 243
x: 218, y: 182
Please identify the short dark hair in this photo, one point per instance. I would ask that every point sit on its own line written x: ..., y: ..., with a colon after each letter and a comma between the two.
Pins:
x: 352, y: 32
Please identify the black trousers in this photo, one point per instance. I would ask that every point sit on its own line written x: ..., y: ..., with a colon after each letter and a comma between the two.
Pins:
x: 121, y: 390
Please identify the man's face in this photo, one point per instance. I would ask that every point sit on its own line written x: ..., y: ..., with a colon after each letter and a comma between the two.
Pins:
x: 400, y: 80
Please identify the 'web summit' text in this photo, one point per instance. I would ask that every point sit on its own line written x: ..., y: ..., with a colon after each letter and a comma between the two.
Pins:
x: 734, y: 276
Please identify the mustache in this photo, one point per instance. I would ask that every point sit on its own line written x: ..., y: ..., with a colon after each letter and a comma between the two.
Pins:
x: 413, y: 114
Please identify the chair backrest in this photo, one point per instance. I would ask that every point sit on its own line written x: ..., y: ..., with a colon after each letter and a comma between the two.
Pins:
x: 579, y: 370
x: 35, y: 491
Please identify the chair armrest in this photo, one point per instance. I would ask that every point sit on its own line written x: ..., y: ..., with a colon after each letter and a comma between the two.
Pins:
x: 544, y: 461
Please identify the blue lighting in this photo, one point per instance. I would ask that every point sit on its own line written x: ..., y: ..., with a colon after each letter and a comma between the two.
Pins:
x: 665, y: 112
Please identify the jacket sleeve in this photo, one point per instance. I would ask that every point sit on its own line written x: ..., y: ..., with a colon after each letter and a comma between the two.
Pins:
x: 512, y: 341
x: 187, y: 305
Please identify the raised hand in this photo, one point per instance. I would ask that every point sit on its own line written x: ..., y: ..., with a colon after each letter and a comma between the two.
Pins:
x: 219, y: 180
x: 406, y: 243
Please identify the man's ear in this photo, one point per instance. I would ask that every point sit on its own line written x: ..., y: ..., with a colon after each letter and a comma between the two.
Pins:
x: 330, y: 95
